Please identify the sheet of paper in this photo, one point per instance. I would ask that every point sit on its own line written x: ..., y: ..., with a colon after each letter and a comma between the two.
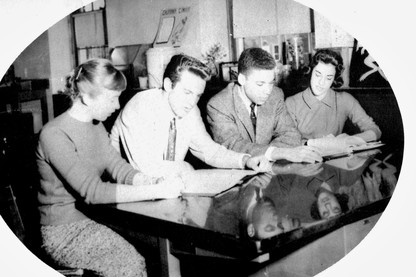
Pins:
x: 210, y: 182
x: 335, y: 153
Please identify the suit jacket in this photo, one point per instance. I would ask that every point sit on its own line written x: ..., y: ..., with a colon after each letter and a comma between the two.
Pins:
x: 231, y: 125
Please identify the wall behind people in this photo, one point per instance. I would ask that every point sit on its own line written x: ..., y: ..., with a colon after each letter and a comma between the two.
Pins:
x: 33, y: 62
x: 128, y: 22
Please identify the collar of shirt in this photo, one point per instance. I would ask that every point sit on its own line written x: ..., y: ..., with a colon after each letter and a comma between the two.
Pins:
x: 168, y: 112
x: 247, y: 102
x: 311, y: 101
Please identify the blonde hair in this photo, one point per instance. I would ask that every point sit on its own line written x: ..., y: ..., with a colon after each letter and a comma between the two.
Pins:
x: 93, y: 75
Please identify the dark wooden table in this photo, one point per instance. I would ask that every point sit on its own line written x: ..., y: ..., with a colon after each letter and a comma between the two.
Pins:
x: 214, y: 232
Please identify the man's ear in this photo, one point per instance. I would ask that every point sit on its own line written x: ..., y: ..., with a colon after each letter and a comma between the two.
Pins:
x: 250, y: 230
x: 241, y: 79
x: 167, y: 84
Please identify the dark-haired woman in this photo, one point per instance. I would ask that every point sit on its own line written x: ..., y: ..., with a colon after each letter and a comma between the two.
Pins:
x: 74, y: 151
x: 319, y: 111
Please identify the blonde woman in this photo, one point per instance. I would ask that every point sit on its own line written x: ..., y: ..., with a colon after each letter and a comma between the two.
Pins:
x: 74, y: 151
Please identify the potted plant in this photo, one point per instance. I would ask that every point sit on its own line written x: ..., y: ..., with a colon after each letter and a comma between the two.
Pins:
x: 213, y: 56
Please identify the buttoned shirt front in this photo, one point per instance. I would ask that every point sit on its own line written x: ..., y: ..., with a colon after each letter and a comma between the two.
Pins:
x: 229, y: 118
x: 318, y: 118
x: 247, y: 102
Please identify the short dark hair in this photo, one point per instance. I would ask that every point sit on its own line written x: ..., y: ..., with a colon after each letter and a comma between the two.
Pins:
x: 328, y: 56
x: 255, y: 58
x: 182, y: 62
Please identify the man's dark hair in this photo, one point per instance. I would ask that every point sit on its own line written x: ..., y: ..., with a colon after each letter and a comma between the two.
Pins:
x: 255, y: 58
x: 180, y: 63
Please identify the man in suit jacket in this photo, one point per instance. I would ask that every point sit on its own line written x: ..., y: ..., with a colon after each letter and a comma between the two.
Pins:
x: 157, y: 127
x: 251, y: 117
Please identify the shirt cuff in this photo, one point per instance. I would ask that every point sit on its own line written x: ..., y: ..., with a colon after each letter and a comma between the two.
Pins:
x: 269, y: 153
x: 242, y: 164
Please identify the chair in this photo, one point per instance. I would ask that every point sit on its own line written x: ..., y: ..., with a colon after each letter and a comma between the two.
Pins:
x: 9, y: 210
x: 18, y: 203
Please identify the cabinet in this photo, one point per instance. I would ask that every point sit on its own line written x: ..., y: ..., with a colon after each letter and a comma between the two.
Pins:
x: 329, y: 35
x: 90, y: 34
x: 292, y: 17
x: 19, y: 177
x: 269, y: 17
x: 254, y: 18
x: 15, y: 98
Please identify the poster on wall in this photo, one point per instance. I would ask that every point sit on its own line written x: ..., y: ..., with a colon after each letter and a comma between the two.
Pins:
x: 271, y: 44
x: 364, y: 70
x: 298, y: 49
x: 173, y: 26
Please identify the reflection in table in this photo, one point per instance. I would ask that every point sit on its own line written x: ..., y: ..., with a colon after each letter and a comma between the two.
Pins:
x: 268, y: 216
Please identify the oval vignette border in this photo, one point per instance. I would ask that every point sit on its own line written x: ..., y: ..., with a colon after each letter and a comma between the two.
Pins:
x: 384, y: 29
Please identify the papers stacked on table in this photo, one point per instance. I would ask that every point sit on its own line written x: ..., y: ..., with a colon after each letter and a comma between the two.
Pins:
x: 342, y: 152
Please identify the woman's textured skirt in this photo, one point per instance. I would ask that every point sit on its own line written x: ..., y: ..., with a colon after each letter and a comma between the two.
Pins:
x: 89, y: 245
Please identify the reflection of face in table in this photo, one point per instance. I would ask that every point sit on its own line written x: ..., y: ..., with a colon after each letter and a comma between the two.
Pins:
x: 246, y: 213
x: 328, y: 204
x: 267, y: 216
x: 261, y: 208
x: 265, y: 221
x: 270, y: 207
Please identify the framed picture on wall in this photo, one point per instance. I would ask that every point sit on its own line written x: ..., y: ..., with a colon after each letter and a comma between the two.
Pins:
x: 271, y: 44
x: 229, y: 71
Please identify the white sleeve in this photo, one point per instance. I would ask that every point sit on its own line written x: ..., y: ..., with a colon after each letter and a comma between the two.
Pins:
x: 141, y: 137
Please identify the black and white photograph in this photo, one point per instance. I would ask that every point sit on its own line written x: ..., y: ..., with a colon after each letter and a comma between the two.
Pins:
x: 206, y: 138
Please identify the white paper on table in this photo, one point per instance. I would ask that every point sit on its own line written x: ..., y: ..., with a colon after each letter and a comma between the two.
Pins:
x: 210, y: 182
x: 334, y: 153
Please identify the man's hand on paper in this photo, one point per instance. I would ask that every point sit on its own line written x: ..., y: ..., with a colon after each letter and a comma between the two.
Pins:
x: 171, y: 187
x: 300, y: 154
x: 259, y: 163
x: 372, y: 187
x: 142, y: 180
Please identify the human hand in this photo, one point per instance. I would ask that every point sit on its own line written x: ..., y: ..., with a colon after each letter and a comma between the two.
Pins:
x: 340, y: 142
x: 326, y: 142
x: 171, y: 188
x: 346, y: 140
x: 372, y: 187
x: 259, y: 163
x: 177, y: 168
x: 141, y: 179
x: 306, y: 154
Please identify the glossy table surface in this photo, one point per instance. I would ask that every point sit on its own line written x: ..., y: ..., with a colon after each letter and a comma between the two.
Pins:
x: 269, y: 213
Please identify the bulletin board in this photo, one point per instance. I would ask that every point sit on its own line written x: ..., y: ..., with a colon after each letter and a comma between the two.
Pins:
x: 173, y: 26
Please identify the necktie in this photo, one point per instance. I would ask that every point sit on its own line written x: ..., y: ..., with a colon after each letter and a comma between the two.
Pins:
x: 170, y: 153
x: 253, y: 117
